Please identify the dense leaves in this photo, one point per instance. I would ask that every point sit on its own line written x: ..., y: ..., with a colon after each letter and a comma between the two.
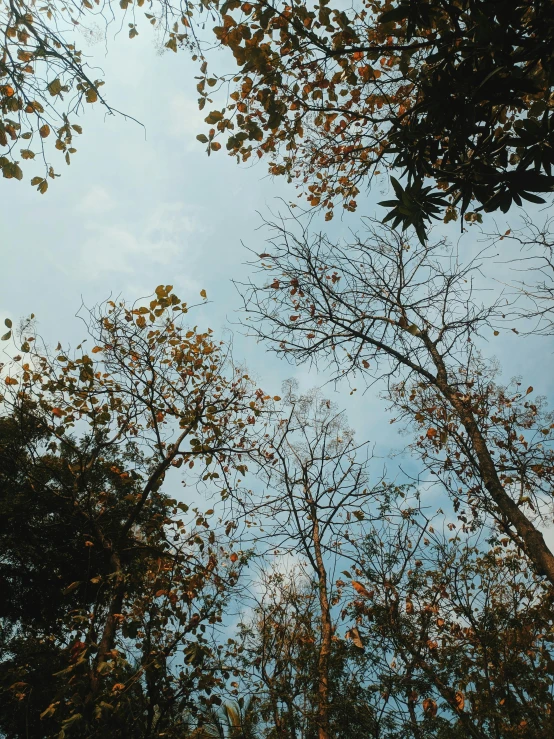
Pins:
x: 458, y: 92
x: 109, y: 595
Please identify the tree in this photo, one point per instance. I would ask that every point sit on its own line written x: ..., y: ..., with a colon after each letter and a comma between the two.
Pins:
x: 277, y: 652
x: 383, y: 308
x: 110, y: 595
x: 459, y: 626
x: 455, y: 93
x: 315, y: 490
x: 331, y: 95
x: 46, y: 81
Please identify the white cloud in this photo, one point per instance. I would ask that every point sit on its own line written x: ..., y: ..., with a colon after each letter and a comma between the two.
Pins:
x: 161, y: 238
x: 97, y: 200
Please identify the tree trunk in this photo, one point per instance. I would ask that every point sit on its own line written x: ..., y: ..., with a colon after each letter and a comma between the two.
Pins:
x: 326, y: 632
x: 531, y: 538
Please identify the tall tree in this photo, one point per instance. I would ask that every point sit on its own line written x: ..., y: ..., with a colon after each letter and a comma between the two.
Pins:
x: 459, y: 626
x: 277, y: 650
x: 315, y: 482
x: 109, y: 593
x: 385, y: 308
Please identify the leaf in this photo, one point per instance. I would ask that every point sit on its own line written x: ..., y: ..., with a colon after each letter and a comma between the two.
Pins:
x: 202, y: 138
x: 354, y: 634
x: 8, y: 322
x: 44, y: 131
x: 361, y: 590
x: 529, y: 390
x: 91, y: 95
x: 97, y: 349
x: 6, y: 336
x: 430, y: 707
x: 55, y: 87
x: 172, y: 44
x: 203, y: 294
x: 214, y: 117
x: 71, y: 587
x: 36, y: 181
x: 49, y: 711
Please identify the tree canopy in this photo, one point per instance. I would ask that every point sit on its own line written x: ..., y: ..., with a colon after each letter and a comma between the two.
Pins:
x: 454, y: 96
x: 185, y: 554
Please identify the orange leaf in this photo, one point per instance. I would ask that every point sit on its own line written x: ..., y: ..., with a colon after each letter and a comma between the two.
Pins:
x: 57, y: 412
x: 234, y: 556
x: 431, y: 433
x: 10, y: 381
x: 430, y: 707
x: 359, y: 588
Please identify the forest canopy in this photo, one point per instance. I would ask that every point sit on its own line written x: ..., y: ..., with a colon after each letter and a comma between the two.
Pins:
x: 188, y: 552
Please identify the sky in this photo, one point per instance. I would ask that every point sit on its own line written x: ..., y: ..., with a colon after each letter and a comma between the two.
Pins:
x: 143, y: 205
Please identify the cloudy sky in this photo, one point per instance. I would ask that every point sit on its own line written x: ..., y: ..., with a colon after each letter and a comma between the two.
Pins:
x: 140, y: 206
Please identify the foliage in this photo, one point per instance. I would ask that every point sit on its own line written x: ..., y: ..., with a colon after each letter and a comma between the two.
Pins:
x: 458, y: 92
x: 463, y: 627
x: 277, y: 649
x: 109, y: 595
x: 46, y: 80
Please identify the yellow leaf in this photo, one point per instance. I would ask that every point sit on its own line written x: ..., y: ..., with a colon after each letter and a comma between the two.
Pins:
x: 96, y: 349
x: 203, y: 294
